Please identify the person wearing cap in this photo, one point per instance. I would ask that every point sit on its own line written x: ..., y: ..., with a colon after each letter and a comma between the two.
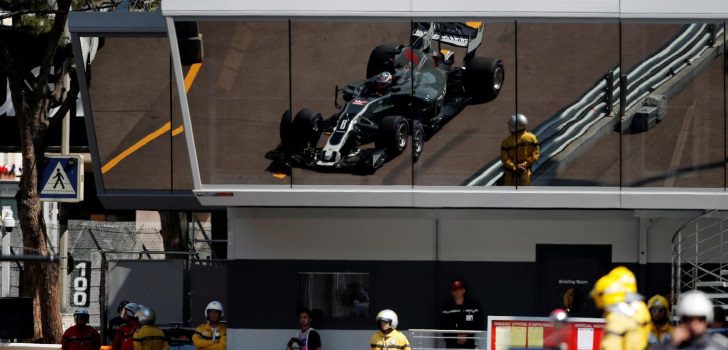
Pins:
x: 696, y: 314
x: 660, y: 326
x: 115, y: 322
x: 460, y: 313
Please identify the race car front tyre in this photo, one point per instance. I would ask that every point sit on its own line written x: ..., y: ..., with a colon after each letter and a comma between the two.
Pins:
x: 393, y: 133
x: 484, y: 78
x: 307, y: 128
x: 381, y: 59
x: 418, y: 139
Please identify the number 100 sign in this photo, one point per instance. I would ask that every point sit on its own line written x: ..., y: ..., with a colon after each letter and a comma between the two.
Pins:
x: 81, y: 284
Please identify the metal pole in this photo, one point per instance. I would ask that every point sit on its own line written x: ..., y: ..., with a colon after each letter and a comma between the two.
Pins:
x: 60, y: 219
x: 65, y: 134
x: 644, y: 225
x: 103, y: 323
x: 6, y: 249
x: 5, y: 264
x: 63, y: 252
x: 41, y: 258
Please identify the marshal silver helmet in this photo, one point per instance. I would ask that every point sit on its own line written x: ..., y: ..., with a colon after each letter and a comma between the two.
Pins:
x: 146, y: 315
x: 517, y: 123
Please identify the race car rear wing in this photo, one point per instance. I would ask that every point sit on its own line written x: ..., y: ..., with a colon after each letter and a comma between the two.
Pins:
x: 460, y: 34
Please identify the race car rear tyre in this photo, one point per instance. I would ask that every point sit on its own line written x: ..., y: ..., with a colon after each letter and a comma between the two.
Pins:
x: 393, y: 133
x: 380, y: 60
x: 484, y: 78
x: 307, y: 128
x: 286, y: 130
x: 418, y: 139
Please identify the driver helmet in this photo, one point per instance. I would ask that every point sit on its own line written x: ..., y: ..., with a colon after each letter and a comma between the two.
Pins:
x: 383, y: 82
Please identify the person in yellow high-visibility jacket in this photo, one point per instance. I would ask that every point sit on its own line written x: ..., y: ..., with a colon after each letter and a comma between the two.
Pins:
x: 660, y: 327
x: 628, y: 319
x: 211, y: 335
x: 388, y: 337
x: 149, y: 336
x: 518, y: 152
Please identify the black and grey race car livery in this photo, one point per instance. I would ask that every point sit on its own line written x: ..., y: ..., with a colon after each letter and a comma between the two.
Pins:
x: 428, y: 89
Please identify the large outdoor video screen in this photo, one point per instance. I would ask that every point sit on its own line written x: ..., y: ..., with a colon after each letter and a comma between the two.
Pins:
x: 674, y: 129
x: 475, y: 103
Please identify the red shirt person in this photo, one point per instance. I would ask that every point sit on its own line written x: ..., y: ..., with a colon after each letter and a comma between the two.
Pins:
x: 81, y: 336
x: 124, y: 338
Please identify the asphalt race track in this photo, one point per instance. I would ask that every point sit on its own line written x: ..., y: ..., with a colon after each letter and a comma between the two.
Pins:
x: 685, y: 150
x: 130, y: 98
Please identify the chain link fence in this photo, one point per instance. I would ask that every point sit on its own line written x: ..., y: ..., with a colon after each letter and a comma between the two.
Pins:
x: 16, y: 248
x: 144, y: 5
x: 87, y: 240
x: 121, y: 5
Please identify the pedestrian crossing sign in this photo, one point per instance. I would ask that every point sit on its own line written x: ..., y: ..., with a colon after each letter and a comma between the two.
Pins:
x: 62, y: 179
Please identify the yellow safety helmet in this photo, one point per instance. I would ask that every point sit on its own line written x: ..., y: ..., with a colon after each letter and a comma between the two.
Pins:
x: 658, y: 300
x: 625, y: 278
x: 598, y: 291
x: 614, y: 287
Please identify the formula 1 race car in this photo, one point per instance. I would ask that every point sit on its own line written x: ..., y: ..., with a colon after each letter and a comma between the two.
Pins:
x: 427, y: 89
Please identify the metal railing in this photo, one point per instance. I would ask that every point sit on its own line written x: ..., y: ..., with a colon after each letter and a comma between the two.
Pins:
x: 434, y: 339
x: 596, y: 107
x: 205, y: 246
x: 700, y: 257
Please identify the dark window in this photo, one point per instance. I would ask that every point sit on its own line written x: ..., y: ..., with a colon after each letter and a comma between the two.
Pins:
x: 335, y: 294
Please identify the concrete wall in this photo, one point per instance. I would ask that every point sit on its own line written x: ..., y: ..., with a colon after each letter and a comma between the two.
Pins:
x: 444, y: 235
x: 495, y: 249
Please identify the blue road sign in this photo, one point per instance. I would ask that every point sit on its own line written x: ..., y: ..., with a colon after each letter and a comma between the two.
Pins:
x: 62, y: 179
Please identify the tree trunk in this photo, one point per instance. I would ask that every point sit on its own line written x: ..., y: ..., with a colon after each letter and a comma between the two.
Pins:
x: 39, y: 279
x: 172, y: 233
x: 31, y: 98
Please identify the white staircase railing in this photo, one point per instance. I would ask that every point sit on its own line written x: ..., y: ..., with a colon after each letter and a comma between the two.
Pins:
x: 700, y: 257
